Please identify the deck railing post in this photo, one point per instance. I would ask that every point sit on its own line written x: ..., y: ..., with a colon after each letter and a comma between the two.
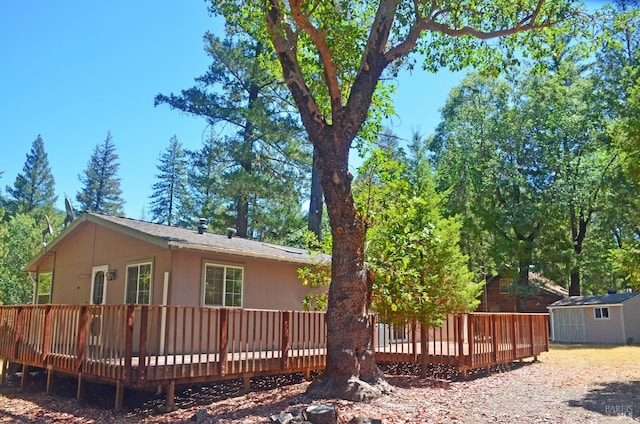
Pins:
x: 460, y: 335
x: 142, y: 366
x: 546, y: 333
x: 414, y: 342
x: 83, y: 321
x: 46, y: 337
x: 285, y: 340
x: 471, y: 338
x: 128, y: 343
x: 531, y: 335
x: 514, y: 335
x: 15, y: 349
x: 374, y: 341
x: 496, y: 337
x: 224, y: 342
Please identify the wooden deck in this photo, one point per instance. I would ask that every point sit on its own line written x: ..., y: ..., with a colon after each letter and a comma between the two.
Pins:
x: 140, y: 346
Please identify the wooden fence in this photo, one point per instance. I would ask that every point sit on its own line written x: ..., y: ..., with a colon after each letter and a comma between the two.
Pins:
x: 149, y: 346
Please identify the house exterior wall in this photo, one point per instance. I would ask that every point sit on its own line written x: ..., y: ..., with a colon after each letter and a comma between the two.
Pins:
x: 491, y: 300
x: 93, y: 245
x: 604, y: 330
x: 632, y: 319
x: 267, y: 284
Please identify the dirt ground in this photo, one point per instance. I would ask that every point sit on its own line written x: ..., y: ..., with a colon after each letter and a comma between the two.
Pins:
x: 569, y: 384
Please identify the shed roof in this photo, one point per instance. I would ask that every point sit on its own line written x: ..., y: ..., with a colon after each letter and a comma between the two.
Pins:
x: 601, y: 299
x: 182, y: 238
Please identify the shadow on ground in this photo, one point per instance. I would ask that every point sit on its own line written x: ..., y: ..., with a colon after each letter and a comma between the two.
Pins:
x: 617, y: 399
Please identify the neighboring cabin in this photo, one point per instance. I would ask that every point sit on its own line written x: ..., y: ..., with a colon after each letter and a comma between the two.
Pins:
x: 102, y: 259
x: 500, y: 295
x: 609, y: 318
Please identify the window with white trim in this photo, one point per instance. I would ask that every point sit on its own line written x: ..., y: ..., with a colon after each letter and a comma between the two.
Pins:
x: 43, y: 296
x: 222, y: 285
x: 138, y: 284
x: 601, y: 313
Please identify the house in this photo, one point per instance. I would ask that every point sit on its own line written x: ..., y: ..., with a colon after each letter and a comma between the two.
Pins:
x: 500, y: 294
x: 609, y: 318
x: 102, y: 259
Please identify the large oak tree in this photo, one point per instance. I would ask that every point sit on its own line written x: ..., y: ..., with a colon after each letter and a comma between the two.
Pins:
x: 333, y: 54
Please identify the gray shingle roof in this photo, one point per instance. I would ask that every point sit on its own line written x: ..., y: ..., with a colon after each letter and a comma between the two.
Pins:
x: 183, y: 238
x: 602, y: 299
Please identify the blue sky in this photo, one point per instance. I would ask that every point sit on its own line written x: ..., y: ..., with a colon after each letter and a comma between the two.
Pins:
x: 71, y: 71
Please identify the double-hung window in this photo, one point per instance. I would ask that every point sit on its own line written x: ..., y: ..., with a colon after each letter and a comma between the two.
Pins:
x: 44, y: 288
x: 222, y: 285
x: 138, y: 283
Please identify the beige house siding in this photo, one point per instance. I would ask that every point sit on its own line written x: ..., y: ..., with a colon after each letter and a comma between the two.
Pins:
x: 632, y: 319
x: 604, y: 330
x: 268, y: 283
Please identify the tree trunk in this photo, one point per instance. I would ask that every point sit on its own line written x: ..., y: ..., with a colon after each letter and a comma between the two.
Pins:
x: 315, y: 202
x: 242, y: 216
x: 351, y: 371
x: 574, y: 287
x: 522, y: 289
x: 578, y: 238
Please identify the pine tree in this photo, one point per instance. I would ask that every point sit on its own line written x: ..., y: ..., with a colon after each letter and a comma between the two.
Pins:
x: 261, y: 151
x: 170, y: 203
x: 101, y: 192
x: 34, y: 188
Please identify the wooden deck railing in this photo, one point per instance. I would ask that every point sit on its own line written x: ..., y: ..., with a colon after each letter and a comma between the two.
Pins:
x: 149, y: 345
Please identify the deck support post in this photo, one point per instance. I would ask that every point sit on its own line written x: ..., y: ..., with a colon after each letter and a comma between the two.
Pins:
x: 80, y: 391
x: 25, y: 376
x: 246, y: 383
x: 171, y: 396
x: 307, y: 374
x: 50, y: 378
x: 119, y: 395
x: 5, y: 371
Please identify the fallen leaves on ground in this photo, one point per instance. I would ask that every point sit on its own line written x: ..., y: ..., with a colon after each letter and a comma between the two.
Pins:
x: 549, y: 391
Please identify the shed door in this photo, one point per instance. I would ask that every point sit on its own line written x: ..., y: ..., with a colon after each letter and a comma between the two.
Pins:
x: 570, y: 325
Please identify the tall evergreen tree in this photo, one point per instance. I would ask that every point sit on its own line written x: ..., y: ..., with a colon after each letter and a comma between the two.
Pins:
x: 101, y: 191
x: 259, y: 150
x: 33, y: 189
x: 170, y: 203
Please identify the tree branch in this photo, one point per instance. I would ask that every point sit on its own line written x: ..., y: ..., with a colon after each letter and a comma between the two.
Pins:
x: 284, y: 41
x: 319, y: 39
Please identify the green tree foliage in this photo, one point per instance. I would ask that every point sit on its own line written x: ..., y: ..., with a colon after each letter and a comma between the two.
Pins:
x: 101, y: 191
x: 412, y: 249
x: 493, y: 169
x: 529, y: 156
x: 258, y: 158
x: 20, y: 240
x: 34, y: 188
x: 333, y: 55
x: 170, y: 201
